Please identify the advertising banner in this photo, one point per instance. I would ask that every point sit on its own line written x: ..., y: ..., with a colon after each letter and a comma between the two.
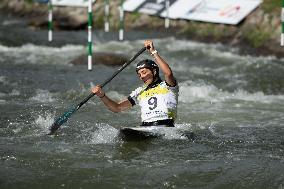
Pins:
x: 71, y: 3
x: 215, y: 11
x: 151, y: 7
x: 221, y: 11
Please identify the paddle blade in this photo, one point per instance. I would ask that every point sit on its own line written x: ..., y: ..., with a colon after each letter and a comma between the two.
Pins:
x: 62, y: 119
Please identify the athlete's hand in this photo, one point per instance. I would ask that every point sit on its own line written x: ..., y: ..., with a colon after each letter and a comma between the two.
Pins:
x: 149, y: 43
x: 97, y: 90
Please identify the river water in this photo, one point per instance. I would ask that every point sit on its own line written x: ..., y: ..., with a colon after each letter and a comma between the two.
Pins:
x: 233, y: 103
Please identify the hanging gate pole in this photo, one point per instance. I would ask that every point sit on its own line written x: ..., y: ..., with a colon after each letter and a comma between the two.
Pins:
x: 167, y: 19
x: 106, y: 15
x: 121, y: 19
x: 282, y: 24
x: 90, y: 43
x: 50, y: 25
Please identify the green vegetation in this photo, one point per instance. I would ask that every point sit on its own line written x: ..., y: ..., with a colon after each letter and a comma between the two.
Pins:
x: 271, y: 6
x: 99, y: 21
x: 259, y: 33
x: 135, y: 16
x: 29, y: 1
x: 256, y: 37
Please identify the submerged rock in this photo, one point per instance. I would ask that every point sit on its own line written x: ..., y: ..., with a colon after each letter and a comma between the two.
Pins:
x: 109, y: 59
x: 64, y: 18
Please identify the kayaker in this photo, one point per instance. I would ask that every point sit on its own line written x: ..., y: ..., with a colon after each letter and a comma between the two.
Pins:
x: 158, y: 99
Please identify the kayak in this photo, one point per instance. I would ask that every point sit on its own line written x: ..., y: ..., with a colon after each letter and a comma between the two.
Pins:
x: 151, y: 132
x: 139, y: 133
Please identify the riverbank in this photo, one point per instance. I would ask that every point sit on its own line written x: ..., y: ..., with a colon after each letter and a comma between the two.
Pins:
x: 258, y: 34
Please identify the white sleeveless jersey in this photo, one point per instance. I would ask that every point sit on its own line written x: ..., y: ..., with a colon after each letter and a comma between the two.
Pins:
x: 157, y: 103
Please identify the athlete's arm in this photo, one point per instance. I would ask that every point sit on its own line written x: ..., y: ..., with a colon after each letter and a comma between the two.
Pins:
x: 111, y: 104
x: 163, y: 65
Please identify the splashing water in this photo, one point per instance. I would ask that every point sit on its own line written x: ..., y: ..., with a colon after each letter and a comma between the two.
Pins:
x: 44, y: 121
x: 43, y: 96
x: 104, y: 134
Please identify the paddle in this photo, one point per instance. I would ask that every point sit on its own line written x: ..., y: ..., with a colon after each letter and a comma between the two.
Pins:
x: 62, y: 119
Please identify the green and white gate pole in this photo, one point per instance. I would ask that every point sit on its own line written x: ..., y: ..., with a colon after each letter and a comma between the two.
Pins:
x: 90, y: 43
x: 282, y: 24
x: 167, y: 19
x: 50, y: 25
x: 121, y: 20
x: 106, y: 15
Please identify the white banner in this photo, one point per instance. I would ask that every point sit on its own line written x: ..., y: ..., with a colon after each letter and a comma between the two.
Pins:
x: 71, y: 3
x: 151, y: 7
x: 222, y: 11
x: 216, y: 11
x: 180, y: 7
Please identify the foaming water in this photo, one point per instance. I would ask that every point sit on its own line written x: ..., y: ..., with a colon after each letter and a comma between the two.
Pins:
x: 43, y: 96
x: 180, y: 132
x: 43, y: 50
x: 3, y: 80
x: 34, y: 54
x: 115, y: 46
x: 38, y: 126
x: 215, y: 50
x: 10, y: 22
x: 191, y: 91
x: 14, y: 92
x: 44, y: 121
x: 105, y: 134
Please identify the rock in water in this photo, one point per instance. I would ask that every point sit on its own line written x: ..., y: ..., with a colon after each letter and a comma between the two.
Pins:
x: 109, y: 59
